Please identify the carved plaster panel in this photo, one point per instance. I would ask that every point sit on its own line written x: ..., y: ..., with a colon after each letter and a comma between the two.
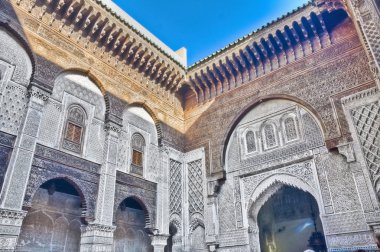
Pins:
x: 307, y: 135
x: 50, y: 164
x: 13, y: 52
x: 362, y: 110
x: 142, y: 190
x: 303, y: 171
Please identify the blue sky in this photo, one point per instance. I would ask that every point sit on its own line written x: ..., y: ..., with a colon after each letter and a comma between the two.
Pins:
x: 204, y: 26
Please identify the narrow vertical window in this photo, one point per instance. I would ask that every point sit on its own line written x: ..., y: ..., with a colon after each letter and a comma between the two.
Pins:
x: 290, y: 129
x: 270, y: 136
x: 138, y: 146
x: 250, y: 141
x: 74, y: 128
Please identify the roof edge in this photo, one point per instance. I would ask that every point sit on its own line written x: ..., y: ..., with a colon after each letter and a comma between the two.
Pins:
x: 140, y: 30
x: 249, y: 36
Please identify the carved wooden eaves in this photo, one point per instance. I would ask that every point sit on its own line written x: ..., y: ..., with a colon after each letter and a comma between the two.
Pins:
x: 108, y: 37
x: 280, y: 44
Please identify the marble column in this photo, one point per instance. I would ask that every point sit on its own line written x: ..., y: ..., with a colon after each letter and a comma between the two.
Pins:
x: 98, y: 236
x: 17, y: 175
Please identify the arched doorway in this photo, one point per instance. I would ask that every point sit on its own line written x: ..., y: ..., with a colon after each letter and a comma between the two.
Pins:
x: 289, y: 222
x: 130, y: 234
x: 54, y: 219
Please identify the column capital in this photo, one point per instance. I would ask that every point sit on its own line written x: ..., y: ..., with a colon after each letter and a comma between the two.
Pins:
x: 376, y: 232
x: 375, y: 69
x: 97, y: 237
x: 347, y: 151
x: 12, y: 217
x: 114, y: 109
x: 97, y: 227
x: 35, y: 92
x: 213, y: 187
x: 10, y: 224
x: 212, y: 247
x: 159, y: 239
x: 112, y: 127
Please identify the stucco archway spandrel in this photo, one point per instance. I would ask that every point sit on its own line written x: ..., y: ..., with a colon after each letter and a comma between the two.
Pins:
x: 271, y: 184
x: 254, y: 103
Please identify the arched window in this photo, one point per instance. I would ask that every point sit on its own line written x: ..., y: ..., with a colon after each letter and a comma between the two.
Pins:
x: 250, y: 141
x: 290, y: 129
x: 138, y: 146
x: 74, y: 129
x: 269, y: 134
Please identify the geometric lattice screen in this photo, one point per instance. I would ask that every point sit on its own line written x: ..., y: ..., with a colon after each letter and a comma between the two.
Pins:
x: 195, y: 187
x: 175, y: 187
x: 367, y: 123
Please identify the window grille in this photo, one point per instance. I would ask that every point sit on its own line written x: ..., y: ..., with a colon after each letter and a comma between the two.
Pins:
x: 74, y: 129
x: 250, y: 141
x: 138, y: 148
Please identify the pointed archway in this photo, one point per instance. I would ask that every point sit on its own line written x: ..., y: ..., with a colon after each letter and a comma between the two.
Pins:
x: 288, y: 220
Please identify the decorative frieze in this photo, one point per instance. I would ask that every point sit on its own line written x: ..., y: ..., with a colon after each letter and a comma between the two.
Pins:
x: 349, y: 240
x: 344, y: 223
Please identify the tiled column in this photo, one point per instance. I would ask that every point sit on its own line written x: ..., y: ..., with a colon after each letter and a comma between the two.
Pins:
x: 162, y: 218
x: 17, y: 175
x: 98, y: 236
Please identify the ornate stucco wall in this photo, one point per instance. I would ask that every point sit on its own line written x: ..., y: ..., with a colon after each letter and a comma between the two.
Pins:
x: 79, y: 81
